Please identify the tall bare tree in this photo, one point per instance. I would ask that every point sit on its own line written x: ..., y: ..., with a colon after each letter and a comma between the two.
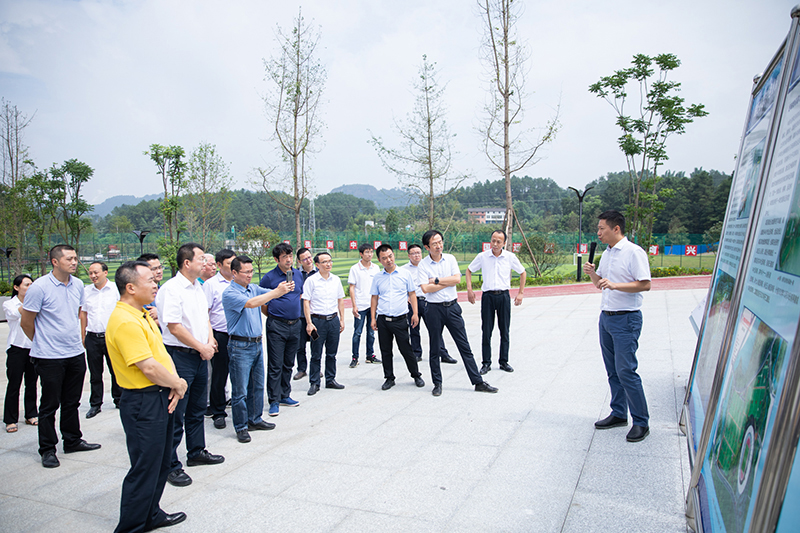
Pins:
x: 297, y: 80
x: 208, y: 187
x: 15, y: 169
x: 509, y: 146
x: 424, y: 162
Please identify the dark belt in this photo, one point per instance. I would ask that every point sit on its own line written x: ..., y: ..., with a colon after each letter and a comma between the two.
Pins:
x: 495, y: 292
x: 421, y: 298
x: 183, y: 349
x: 151, y: 388
x: 325, y: 317
x: 96, y: 335
x: 244, y: 339
x: 444, y: 304
x: 279, y: 319
x: 393, y: 318
x: 615, y: 313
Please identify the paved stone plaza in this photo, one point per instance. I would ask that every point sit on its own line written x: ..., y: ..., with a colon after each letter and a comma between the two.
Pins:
x: 526, y: 459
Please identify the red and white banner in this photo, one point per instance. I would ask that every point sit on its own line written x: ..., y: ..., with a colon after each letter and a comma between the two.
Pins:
x: 376, y: 244
x: 583, y: 248
x: 354, y: 245
x: 403, y: 245
x: 516, y: 247
x: 691, y: 249
x: 288, y: 241
x: 307, y: 244
x: 653, y: 249
x: 329, y: 245
x: 486, y: 246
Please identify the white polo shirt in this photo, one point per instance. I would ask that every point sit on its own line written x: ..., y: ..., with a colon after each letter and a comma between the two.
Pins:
x: 98, y: 305
x: 182, y: 301
x: 446, y: 266
x: 416, y: 277
x: 496, y: 269
x: 213, y: 289
x: 622, y: 263
x: 361, y: 277
x: 323, y: 294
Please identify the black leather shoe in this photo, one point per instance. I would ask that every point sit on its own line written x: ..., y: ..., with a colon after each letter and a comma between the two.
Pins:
x: 447, y: 359
x: 437, y: 389
x: 484, y: 387
x: 299, y: 375
x: 313, y: 389
x: 419, y: 358
x: 485, y: 368
x: 419, y: 382
x: 611, y: 421
x: 49, y: 460
x: 388, y: 384
x: 334, y: 385
x: 219, y: 422
x: 637, y: 433
x: 170, y: 520
x: 82, y: 446
x: 204, y: 458
x: 374, y: 360
x: 260, y: 426
x: 506, y: 367
x: 243, y: 436
x: 179, y: 478
x: 93, y: 412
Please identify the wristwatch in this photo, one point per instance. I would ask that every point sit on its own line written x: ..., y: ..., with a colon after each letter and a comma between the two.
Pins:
x: 436, y: 281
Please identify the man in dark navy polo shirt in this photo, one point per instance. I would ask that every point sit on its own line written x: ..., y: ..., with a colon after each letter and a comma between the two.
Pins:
x: 283, y: 328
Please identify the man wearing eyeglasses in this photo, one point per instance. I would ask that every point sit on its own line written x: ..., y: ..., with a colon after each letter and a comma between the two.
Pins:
x: 158, y: 274
x: 307, y: 269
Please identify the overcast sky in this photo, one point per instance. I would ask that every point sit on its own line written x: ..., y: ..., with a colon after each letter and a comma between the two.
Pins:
x: 105, y: 79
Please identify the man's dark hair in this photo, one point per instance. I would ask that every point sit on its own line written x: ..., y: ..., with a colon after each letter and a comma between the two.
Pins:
x: 426, y: 238
x: 316, y: 257
x: 503, y: 233
x: 102, y: 265
x: 186, y: 253
x: 383, y: 248
x: 412, y: 246
x: 127, y: 273
x: 613, y: 218
x: 239, y: 261
x: 224, y: 254
x: 58, y: 250
x: 363, y: 247
x: 147, y: 256
x: 281, y: 249
x: 17, y: 282
x: 301, y: 251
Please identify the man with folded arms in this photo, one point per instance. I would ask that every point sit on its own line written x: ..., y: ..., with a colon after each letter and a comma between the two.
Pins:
x: 623, y: 276
x: 50, y: 320
x: 323, y: 304
x: 496, y: 264
x: 183, y: 312
x: 414, y: 259
x: 391, y: 292
x: 150, y: 391
x: 241, y: 301
x: 443, y: 310
x: 100, y: 298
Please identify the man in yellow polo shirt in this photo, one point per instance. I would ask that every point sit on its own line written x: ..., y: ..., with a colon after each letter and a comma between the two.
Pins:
x: 151, y: 389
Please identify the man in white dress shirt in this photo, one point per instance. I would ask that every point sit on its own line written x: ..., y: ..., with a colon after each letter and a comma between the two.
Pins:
x: 187, y: 333
x: 496, y: 263
x: 360, y: 281
x: 623, y: 275
x: 443, y: 310
x: 100, y: 298
x: 323, y: 307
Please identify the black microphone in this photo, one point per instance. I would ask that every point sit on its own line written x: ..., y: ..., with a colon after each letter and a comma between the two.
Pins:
x: 592, y: 248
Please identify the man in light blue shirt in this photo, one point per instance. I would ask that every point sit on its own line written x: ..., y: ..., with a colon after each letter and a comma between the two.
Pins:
x: 391, y: 292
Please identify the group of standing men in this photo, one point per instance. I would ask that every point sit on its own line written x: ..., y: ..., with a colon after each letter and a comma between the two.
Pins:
x: 158, y: 341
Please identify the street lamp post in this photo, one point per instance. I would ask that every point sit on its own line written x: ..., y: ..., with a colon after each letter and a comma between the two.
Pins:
x: 141, y: 234
x: 580, y: 226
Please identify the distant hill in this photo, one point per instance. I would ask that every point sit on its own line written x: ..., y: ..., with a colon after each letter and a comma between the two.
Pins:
x: 104, y: 208
x: 383, y: 198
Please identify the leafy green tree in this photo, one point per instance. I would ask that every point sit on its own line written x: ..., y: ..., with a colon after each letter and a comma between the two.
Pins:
x: 171, y: 168
x: 42, y: 197
x: 660, y: 113
x: 509, y: 148
x: 71, y: 176
x: 257, y: 242
x: 298, y: 80
x: 120, y: 224
x: 208, y: 187
x: 392, y: 221
x: 424, y: 161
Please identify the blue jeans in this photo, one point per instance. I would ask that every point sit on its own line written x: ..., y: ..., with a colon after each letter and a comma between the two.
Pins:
x: 246, y: 367
x: 619, y: 339
x: 192, y: 407
x: 329, y: 336
x: 364, y: 317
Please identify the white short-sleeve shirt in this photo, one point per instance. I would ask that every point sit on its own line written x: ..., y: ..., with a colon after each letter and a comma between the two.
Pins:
x: 361, y: 277
x: 98, y: 305
x: 323, y: 294
x: 182, y: 301
x: 623, y: 263
x: 416, y: 276
x: 496, y: 269
x: 446, y: 266
x: 213, y: 289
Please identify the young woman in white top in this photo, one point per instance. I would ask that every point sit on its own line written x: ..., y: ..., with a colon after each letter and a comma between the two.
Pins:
x: 18, y: 362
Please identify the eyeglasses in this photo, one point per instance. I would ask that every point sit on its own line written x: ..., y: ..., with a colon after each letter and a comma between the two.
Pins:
x: 328, y: 262
x: 156, y: 269
x: 246, y: 272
